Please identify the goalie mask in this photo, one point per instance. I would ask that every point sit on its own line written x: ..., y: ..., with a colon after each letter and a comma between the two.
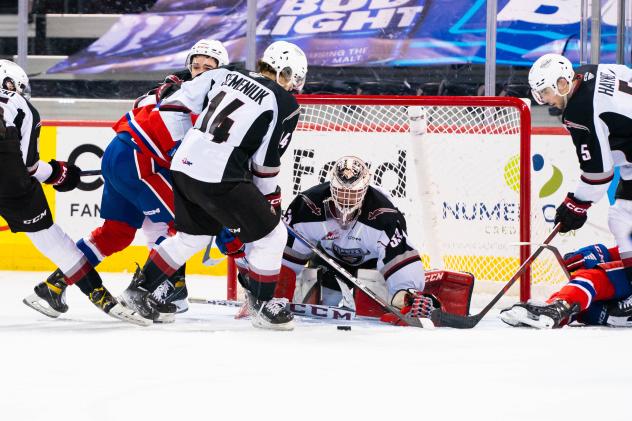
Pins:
x: 209, y: 48
x: 13, y: 78
x: 545, y: 73
x: 349, y: 182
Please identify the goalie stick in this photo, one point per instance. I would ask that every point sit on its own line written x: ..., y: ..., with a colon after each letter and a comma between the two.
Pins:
x: 441, y: 318
x: 410, y: 321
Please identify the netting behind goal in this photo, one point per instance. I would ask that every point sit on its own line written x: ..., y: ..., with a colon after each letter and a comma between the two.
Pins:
x: 457, y: 167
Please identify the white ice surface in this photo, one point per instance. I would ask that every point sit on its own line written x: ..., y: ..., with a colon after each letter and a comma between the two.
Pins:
x: 85, y: 366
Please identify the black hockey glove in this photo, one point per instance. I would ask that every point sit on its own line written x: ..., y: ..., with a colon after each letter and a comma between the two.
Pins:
x: 572, y: 213
x: 65, y: 176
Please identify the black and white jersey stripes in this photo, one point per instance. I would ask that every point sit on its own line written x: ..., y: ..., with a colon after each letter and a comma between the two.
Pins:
x: 16, y: 111
x: 379, y: 236
x: 599, y: 118
x: 245, y: 124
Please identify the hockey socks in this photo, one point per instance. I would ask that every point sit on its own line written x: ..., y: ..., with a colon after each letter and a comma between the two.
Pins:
x: 158, y: 268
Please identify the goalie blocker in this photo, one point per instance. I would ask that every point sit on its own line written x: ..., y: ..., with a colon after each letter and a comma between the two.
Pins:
x: 452, y: 289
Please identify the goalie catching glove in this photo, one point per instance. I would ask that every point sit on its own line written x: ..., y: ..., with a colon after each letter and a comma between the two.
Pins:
x: 572, y: 213
x: 65, y: 176
x: 413, y: 303
x: 229, y: 244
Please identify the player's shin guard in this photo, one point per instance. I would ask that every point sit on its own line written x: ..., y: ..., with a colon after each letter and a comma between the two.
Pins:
x: 49, y: 297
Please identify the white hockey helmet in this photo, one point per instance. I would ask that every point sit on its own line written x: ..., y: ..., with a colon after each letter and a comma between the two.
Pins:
x: 349, y: 182
x: 545, y: 73
x: 289, y: 60
x: 209, y: 48
x: 13, y: 74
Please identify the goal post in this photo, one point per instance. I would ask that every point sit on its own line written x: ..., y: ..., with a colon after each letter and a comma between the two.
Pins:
x: 459, y: 168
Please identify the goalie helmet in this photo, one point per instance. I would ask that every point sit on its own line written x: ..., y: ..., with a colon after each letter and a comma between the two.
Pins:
x: 209, y: 48
x: 545, y: 73
x: 13, y: 78
x: 287, y: 60
x: 349, y: 182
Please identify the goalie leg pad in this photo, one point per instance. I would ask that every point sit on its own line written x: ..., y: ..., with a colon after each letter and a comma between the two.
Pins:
x: 453, y: 289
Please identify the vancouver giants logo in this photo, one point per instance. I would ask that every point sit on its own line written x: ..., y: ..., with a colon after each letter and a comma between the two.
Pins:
x: 353, y: 256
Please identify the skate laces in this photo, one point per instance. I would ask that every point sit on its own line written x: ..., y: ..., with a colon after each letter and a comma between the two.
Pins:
x: 275, y: 305
x: 161, y: 292
x: 625, y: 304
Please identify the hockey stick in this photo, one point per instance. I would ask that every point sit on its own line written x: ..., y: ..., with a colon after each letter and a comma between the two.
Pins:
x: 85, y: 173
x: 313, y: 311
x: 207, y: 260
x: 441, y: 318
x: 411, y: 321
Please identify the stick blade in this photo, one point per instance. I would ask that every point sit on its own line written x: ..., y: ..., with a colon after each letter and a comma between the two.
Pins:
x: 443, y: 319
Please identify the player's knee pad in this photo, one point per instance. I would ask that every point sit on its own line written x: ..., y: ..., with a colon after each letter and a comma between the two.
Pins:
x: 181, y: 247
x: 155, y: 232
x: 267, y: 252
x: 109, y: 238
x: 620, y: 223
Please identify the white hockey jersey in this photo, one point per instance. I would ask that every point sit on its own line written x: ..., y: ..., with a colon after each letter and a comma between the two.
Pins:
x: 377, y: 240
x: 599, y: 118
x: 245, y: 123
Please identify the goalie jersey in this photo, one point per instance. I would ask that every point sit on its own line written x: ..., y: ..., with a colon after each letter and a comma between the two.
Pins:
x: 377, y: 240
x: 599, y: 118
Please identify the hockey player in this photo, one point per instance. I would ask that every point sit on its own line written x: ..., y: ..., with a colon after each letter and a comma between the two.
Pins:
x: 598, y: 293
x: 137, y: 185
x: 597, y: 104
x: 225, y: 174
x: 358, y: 226
x: 24, y: 206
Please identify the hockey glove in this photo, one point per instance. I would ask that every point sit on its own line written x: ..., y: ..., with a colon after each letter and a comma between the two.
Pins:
x: 229, y: 244
x: 275, y: 200
x: 587, y: 257
x: 572, y: 213
x: 65, y: 176
x: 413, y: 303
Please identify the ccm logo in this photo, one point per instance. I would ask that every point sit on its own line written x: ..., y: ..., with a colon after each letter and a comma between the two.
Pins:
x: 576, y: 209
x: 34, y: 220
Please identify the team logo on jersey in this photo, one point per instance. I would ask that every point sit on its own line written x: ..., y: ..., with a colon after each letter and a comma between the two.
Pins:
x: 353, y: 256
x: 379, y: 211
x: 331, y: 235
x: 572, y: 125
x: 588, y: 76
x: 311, y: 205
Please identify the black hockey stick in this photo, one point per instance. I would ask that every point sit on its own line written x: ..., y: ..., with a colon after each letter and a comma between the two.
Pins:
x: 411, y: 321
x: 84, y: 173
x: 441, y: 318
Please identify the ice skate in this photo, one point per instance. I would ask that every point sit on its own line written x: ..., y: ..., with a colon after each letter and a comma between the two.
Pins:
x: 102, y: 298
x: 137, y: 298
x: 273, y: 314
x: 540, y: 316
x: 620, y: 313
x: 173, y: 291
x: 49, y: 297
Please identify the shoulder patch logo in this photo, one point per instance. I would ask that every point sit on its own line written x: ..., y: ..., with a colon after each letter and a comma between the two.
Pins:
x: 379, y: 211
x: 588, y: 76
x: 311, y: 205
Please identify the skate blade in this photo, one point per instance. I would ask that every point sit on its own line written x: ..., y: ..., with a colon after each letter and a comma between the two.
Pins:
x: 127, y: 315
x: 522, y: 317
x: 262, y: 324
x: 35, y: 303
x: 244, y: 312
x: 165, y: 318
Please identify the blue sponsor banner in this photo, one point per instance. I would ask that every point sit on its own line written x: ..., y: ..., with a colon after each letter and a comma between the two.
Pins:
x: 345, y: 32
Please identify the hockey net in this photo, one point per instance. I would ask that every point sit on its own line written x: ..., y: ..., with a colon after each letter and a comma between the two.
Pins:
x: 457, y: 167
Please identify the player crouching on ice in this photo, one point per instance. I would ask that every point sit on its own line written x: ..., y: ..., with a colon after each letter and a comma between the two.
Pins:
x: 598, y: 281
x: 358, y: 226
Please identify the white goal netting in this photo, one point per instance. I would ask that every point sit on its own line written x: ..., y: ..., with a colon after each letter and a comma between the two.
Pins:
x: 452, y: 166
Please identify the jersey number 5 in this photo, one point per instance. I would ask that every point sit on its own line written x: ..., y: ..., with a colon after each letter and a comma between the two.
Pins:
x: 220, y: 127
x: 585, y: 152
